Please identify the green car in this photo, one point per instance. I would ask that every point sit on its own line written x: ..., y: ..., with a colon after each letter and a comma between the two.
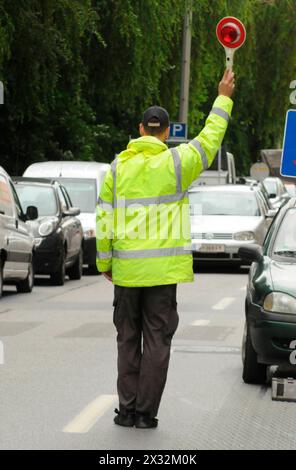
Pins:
x: 270, y: 328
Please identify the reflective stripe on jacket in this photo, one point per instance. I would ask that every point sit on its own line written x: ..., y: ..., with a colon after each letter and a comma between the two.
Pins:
x: 143, y: 221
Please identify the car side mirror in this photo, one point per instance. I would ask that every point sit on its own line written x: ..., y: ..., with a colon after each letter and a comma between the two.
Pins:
x: 72, y: 212
x: 272, y: 196
x: 32, y: 213
x: 251, y: 253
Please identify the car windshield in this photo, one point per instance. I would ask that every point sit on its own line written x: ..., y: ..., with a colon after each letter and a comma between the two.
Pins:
x: 223, y: 203
x: 43, y: 197
x: 285, y: 243
x: 270, y: 186
x: 82, y: 192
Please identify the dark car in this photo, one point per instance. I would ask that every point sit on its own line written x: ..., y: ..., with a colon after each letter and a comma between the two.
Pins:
x: 58, y: 232
x: 270, y: 327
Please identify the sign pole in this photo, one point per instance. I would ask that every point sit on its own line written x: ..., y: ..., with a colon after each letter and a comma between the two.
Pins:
x: 186, y: 57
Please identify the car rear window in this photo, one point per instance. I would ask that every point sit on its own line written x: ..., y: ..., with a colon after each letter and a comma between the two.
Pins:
x: 223, y: 203
x: 271, y: 187
x: 43, y: 197
x: 82, y: 192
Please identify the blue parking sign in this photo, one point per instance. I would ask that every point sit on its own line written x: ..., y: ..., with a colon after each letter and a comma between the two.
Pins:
x: 178, y: 130
x: 288, y: 165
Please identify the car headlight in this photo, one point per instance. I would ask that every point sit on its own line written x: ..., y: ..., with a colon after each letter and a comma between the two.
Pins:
x: 280, y: 303
x: 47, y: 227
x: 90, y: 233
x: 244, y: 236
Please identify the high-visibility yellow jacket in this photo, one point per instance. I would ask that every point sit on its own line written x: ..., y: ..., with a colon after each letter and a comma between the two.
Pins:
x: 143, y: 218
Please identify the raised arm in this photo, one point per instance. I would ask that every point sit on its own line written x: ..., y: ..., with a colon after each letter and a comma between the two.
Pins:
x: 199, y: 154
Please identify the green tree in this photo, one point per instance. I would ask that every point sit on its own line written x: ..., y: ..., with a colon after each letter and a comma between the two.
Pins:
x: 79, y: 73
x: 44, y: 75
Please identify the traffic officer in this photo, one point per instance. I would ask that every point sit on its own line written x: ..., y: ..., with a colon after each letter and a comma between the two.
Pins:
x: 143, y: 247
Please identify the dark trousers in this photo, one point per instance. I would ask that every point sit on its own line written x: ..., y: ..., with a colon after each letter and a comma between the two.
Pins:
x: 146, y: 319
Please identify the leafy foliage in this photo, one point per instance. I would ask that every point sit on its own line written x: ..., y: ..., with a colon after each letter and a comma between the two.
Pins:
x: 79, y: 73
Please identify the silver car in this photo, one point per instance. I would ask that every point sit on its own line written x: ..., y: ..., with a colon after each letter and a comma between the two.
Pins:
x: 16, y: 241
x: 225, y: 217
x: 277, y: 192
x: 291, y: 189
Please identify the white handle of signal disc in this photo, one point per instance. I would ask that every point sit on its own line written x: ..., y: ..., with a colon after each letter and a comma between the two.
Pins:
x: 229, y: 57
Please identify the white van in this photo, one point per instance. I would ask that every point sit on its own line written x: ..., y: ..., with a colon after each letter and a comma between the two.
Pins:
x: 223, y: 173
x: 83, y: 181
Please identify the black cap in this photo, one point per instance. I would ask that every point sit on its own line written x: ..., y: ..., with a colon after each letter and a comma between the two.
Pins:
x: 156, y: 117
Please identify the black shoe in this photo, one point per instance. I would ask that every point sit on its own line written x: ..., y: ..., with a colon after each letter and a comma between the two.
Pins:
x: 145, y: 422
x: 124, y: 419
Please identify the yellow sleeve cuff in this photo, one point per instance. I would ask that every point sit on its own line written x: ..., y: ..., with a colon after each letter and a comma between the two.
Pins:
x: 225, y: 103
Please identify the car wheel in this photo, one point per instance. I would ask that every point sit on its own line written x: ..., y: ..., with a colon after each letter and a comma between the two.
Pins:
x: 58, y: 277
x: 75, y: 272
x: 93, y: 270
x: 253, y: 372
x: 26, y: 286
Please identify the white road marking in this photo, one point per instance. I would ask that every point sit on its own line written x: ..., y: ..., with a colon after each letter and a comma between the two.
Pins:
x: 200, y: 323
x: 223, y: 303
x: 88, y: 417
x: 243, y: 288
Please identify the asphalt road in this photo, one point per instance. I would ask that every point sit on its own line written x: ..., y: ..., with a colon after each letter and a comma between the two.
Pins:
x: 58, y: 380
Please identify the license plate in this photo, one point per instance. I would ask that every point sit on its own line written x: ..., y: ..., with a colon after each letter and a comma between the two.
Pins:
x: 212, y: 248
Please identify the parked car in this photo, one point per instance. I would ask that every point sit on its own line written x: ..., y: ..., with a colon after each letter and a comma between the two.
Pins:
x: 270, y: 305
x: 291, y: 189
x: 83, y: 181
x: 252, y: 182
x: 222, y: 171
x: 223, y: 218
x: 276, y: 191
x: 58, y: 232
x: 16, y: 241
